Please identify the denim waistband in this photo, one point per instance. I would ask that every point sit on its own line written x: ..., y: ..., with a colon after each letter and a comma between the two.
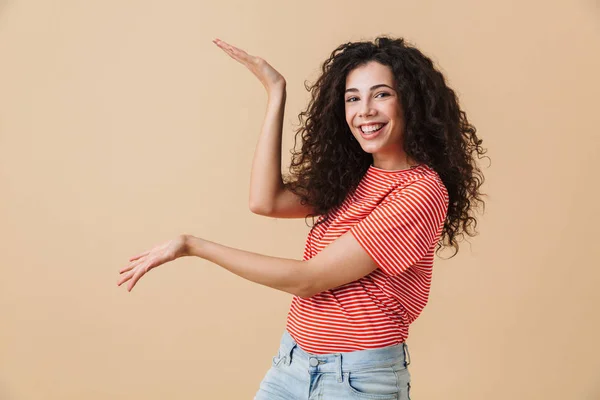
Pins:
x: 343, y: 361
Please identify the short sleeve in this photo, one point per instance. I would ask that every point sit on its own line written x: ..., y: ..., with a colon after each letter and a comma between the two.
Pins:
x: 400, y: 231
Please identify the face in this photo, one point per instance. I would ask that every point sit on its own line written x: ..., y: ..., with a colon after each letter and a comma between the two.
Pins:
x: 374, y: 114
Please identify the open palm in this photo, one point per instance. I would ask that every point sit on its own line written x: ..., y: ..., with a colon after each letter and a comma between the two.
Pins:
x: 268, y: 76
x: 142, y: 263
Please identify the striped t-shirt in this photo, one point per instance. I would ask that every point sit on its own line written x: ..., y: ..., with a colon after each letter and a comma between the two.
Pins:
x: 397, y: 217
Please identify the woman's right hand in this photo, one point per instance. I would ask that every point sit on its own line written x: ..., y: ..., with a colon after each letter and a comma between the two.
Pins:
x: 268, y: 76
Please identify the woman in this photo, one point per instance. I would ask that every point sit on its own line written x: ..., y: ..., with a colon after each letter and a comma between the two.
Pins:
x: 387, y: 165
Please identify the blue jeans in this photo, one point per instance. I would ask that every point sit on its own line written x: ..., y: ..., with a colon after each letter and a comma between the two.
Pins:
x: 375, y: 374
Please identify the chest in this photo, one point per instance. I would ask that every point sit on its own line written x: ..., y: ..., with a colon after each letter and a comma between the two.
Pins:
x: 356, y: 207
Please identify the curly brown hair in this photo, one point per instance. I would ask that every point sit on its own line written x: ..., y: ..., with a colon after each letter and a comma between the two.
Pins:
x: 330, y: 164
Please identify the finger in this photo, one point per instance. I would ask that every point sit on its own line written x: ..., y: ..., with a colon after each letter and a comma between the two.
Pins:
x: 241, y: 54
x: 140, y: 255
x: 136, y: 277
x: 230, y: 53
x: 125, y: 278
x: 133, y: 264
x: 234, y: 52
x: 130, y: 267
x: 222, y: 44
x: 127, y: 268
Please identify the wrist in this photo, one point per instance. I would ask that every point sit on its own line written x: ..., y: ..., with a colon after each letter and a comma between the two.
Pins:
x: 277, y: 91
x: 192, y: 246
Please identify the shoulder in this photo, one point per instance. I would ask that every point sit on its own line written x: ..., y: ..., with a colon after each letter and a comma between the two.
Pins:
x: 424, y: 185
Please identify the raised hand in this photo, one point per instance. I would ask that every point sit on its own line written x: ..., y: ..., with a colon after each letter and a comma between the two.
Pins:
x: 142, y: 263
x: 268, y: 76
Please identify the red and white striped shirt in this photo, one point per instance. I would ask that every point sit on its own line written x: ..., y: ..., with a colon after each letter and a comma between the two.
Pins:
x: 397, y: 217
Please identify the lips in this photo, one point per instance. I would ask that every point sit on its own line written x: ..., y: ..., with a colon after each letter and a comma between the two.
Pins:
x: 370, y: 131
x: 371, y: 128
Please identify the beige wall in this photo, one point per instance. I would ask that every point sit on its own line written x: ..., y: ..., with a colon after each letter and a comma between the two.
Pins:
x: 122, y: 125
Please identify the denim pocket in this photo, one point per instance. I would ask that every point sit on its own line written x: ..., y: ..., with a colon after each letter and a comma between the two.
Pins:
x: 374, y: 383
x: 403, y: 383
x: 283, y: 356
x: 278, y: 359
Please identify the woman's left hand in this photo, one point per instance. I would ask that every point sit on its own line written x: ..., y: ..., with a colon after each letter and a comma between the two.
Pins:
x: 144, y: 262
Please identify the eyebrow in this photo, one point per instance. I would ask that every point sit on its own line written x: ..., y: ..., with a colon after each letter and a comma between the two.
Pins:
x: 372, y: 88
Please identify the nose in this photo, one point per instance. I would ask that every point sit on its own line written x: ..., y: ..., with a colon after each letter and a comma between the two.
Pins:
x: 366, y: 110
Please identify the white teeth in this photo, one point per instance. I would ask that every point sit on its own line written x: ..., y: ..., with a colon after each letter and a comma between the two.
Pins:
x: 371, y: 128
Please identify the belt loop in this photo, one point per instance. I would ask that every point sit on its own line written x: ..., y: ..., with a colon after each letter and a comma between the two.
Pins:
x: 406, y: 354
x: 339, y: 369
x: 288, y: 355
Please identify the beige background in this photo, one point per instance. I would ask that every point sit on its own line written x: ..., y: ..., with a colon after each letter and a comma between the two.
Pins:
x: 122, y: 125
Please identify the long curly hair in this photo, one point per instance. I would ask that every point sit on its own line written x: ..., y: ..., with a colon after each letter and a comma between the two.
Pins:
x: 331, y: 163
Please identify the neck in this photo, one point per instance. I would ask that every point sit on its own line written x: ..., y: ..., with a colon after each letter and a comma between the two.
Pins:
x: 394, y: 164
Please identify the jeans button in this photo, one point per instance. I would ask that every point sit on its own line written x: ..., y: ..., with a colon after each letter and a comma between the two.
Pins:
x: 313, y: 362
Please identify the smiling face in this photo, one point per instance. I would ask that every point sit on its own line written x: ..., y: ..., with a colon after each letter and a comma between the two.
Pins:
x: 374, y: 114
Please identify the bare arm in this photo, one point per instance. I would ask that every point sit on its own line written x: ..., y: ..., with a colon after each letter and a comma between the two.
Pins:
x: 341, y: 262
x: 268, y: 195
x: 266, y: 182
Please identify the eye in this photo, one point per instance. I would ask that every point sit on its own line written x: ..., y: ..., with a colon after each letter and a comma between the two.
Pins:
x: 351, y: 99
x: 382, y: 94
